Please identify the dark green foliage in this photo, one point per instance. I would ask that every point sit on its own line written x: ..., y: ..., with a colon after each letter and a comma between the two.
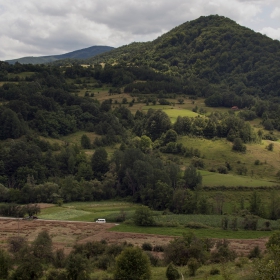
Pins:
x: 99, y: 162
x: 59, y: 258
x: 183, y: 248
x: 193, y: 265
x: 10, y: 125
x: 274, y: 240
x: 270, y: 147
x: 172, y: 272
x: 56, y: 274
x: 158, y: 123
x: 5, y: 264
x: 77, y: 267
x: 255, y: 207
x: 143, y: 216
x: 132, y: 264
x: 255, y: 253
x: 238, y: 145
x: 250, y: 223
x: 192, y: 178
x: 222, y: 252
x: 214, y: 271
x: 29, y: 268
x: 16, y: 244
x: 85, y: 142
x: 42, y: 247
x: 147, y: 246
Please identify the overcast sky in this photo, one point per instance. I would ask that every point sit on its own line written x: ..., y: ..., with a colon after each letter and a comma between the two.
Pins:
x: 46, y: 27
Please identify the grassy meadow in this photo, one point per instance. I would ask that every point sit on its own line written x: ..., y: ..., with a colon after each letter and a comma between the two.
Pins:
x: 169, y: 224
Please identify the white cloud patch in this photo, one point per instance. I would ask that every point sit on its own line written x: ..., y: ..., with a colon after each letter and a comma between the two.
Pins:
x: 32, y: 27
x: 271, y: 32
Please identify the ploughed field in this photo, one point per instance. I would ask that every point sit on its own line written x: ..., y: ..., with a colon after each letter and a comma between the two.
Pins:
x: 65, y: 234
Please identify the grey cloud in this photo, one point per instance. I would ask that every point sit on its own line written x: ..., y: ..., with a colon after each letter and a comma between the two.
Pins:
x: 55, y: 26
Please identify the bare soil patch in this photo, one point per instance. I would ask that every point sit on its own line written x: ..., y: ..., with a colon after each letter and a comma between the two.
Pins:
x: 66, y: 234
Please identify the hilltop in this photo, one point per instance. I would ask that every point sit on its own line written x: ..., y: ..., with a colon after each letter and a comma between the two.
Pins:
x: 210, y: 54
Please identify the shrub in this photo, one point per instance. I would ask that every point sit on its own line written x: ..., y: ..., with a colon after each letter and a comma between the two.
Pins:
x: 147, y: 246
x: 158, y: 248
x: 223, y: 170
x: 255, y: 253
x: 154, y: 260
x: 193, y: 265
x: 195, y: 225
x: 172, y: 272
x: 143, y: 217
x: 250, y: 223
x: 257, y: 162
x: 214, y: 271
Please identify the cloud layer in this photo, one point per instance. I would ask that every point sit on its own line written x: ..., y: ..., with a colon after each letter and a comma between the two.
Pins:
x: 33, y: 28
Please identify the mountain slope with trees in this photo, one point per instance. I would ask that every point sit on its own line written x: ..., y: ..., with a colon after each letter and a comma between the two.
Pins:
x: 213, y: 51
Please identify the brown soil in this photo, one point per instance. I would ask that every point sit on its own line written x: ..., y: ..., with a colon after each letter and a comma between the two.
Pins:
x: 66, y: 234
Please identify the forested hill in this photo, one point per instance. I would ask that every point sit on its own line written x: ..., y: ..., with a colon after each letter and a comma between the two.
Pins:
x: 78, y: 54
x: 210, y: 50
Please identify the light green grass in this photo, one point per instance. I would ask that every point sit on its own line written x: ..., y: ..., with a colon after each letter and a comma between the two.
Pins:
x: 215, y: 152
x: 212, y: 179
x: 87, y: 211
x: 91, y: 211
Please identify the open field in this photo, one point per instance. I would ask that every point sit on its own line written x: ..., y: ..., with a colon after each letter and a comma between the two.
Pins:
x: 216, y: 152
x: 65, y: 234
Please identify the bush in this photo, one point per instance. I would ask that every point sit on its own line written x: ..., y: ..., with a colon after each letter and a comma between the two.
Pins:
x: 193, y: 265
x: 172, y: 272
x: 158, y: 248
x: 222, y: 170
x: 255, y: 253
x: 250, y: 223
x: 155, y: 261
x: 147, y: 246
x: 195, y: 225
x: 143, y: 217
x: 238, y: 145
x: 214, y: 271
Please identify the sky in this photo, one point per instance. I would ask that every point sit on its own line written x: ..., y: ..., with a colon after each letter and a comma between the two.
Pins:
x: 51, y: 27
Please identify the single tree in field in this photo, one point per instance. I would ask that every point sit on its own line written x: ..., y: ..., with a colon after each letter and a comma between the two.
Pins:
x: 85, y: 142
x: 143, y: 216
x: 172, y: 272
x: 132, y: 264
x: 42, y: 247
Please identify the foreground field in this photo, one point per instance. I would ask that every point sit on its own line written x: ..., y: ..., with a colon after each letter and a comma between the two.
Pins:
x: 65, y: 234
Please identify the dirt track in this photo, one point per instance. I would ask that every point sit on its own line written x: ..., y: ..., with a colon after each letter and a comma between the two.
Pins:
x: 65, y: 234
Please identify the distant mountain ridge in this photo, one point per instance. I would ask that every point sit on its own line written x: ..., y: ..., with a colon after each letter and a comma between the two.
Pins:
x: 78, y: 54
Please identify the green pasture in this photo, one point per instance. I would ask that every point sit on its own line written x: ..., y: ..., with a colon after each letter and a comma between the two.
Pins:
x: 213, y: 179
x: 75, y: 138
x: 87, y: 211
x: 21, y: 75
x: 171, y: 111
x: 216, y: 152
x: 171, y: 225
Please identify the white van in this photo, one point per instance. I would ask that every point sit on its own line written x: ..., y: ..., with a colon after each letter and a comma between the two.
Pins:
x: 100, y: 221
